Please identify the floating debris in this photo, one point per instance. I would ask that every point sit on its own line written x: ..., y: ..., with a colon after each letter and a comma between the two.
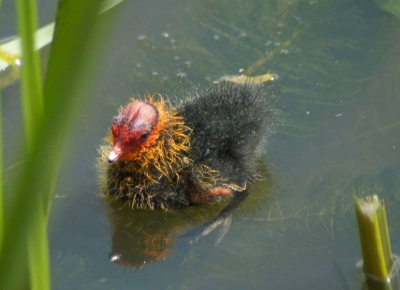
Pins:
x: 181, y: 75
x: 243, y: 79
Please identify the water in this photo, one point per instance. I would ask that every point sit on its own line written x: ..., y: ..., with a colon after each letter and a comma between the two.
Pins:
x: 337, y: 134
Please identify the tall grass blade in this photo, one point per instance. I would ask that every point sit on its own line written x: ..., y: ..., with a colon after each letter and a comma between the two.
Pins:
x: 38, y: 252
x: 32, y: 105
x: 1, y: 172
x: 69, y: 52
x: 31, y: 82
x: 33, y: 191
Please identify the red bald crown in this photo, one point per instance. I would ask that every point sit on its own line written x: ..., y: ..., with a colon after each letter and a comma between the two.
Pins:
x: 132, y: 130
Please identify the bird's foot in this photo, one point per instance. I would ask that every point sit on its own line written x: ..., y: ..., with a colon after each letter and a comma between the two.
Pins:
x: 222, y: 220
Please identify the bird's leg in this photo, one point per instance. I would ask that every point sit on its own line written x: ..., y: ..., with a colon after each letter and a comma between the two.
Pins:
x: 219, y: 190
x: 224, y: 219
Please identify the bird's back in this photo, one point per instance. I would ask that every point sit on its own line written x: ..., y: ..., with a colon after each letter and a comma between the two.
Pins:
x: 229, y: 124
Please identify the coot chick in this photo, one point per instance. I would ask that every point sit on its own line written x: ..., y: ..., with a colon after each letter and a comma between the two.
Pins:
x: 159, y: 156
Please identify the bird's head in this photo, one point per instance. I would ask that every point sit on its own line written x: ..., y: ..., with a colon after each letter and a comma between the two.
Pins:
x: 132, y: 130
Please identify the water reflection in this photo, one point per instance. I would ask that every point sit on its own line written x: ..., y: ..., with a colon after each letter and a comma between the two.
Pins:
x: 141, y: 236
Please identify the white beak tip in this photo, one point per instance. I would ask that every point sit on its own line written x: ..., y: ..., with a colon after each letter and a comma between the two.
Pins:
x: 112, y: 157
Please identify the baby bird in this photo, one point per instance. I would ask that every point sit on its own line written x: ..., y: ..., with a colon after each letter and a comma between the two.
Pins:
x: 158, y: 156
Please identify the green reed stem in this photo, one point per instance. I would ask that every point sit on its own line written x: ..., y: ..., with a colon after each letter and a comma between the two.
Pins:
x: 32, y: 107
x: 38, y: 252
x: 1, y: 172
x: 46, y: 121
x: 1, y: 169
x: 374, y: 235
x: 31, y: 81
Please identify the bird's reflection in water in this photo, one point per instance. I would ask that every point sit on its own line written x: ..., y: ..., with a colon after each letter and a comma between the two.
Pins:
x: 142, y: 236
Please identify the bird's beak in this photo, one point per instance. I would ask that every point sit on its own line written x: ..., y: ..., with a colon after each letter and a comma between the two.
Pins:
x: 121, y: 151
x: 112, y: 156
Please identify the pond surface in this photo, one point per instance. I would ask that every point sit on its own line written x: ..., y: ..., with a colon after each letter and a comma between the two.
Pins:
x: 337, y: 134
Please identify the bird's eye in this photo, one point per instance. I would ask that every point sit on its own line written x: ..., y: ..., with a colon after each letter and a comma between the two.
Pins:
x: 144, y: 136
